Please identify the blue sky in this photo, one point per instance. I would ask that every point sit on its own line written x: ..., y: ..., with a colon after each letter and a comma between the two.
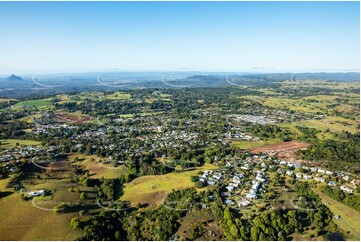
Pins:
x: 45, y: 37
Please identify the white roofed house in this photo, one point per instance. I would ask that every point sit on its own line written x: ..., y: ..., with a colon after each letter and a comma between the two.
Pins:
x: 346, y: 178
x: 329, y: 172
x: 251, y: 195
x: 229, y: 202
x: 230, y: 188
x: 37, y: 193
x: 225, y: 194
x: 290, y: 173
x: 321, y: 171
x: 217, y: 176
x: 346, y: 189
x: 243, y: 202
x: 313, y: 169
x: 307, y: 177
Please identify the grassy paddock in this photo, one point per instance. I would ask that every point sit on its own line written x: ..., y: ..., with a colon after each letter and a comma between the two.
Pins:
x: 153, y: 189
x: 38, y: 103
x: 10, y: 143
x: 253, y: 144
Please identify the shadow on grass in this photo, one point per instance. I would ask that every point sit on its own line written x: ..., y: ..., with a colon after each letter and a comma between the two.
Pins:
x: 5, y: 194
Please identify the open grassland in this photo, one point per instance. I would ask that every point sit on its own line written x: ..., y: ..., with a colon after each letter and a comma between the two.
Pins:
x: 30, y: 118
x: 350, y: 218
x: 322, y: 84
x: 80, y: 97
x: 23, y: 221
x: 38, y: 103
x: 310, y: 104
x: 298, y: 105
x: 9, y: 143
x: 333, y: 123
x: 152, y: 190
x: 118, y: 96
x: 252, y: 144
x: 96, y: 169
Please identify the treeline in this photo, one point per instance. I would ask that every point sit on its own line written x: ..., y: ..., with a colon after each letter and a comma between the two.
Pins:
x: 164, y: 222
x: 272, y: 131
x: 13, y: 129
x: 351, y: 200
x: 333, y: 150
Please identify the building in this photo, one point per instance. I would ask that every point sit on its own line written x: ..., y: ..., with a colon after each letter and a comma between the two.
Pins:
x: 243, y: 202
x: 229, y: 202
x: 346, y: 189
x: 37, y: 193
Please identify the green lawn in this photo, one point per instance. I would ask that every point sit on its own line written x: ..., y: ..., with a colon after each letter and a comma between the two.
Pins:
x: 9, y: 143
x: 253, y: 144
x: 39, y: 103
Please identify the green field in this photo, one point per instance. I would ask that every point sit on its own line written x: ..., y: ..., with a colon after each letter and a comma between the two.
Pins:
x: 153, y: 189
x: 9, y: 143
x: 98, y: 170
x: 39, y: 104
x: 21, y: 220
x: 253, y: 144
x: 80, y: 97
x: 333, y: 123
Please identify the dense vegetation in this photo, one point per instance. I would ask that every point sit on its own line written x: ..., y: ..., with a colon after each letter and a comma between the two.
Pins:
x: 333, y: 150
x: 350, y: 200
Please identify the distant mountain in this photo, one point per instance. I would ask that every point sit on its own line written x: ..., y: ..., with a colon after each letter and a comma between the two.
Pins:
x: 14, y: 78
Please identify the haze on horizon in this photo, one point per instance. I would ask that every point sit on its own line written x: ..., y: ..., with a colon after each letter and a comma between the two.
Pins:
x: 55, y: 37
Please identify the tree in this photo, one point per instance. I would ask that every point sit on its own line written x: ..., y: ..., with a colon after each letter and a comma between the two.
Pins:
x: 178, y: 168
x: 199, y: 184
x: 74, y: 223
x: 82, y: 196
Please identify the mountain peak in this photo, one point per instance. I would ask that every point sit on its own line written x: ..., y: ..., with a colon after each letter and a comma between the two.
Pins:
x: 14, y: 77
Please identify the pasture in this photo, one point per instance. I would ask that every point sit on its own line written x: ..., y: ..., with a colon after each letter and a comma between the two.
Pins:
x: 96, y: 169
x: 36, y: 104
x: 10, y: 143
x: 152, y: 190
x: 244, y: 144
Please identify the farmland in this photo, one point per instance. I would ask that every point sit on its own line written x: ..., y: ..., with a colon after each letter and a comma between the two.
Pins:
x: 239, y: 153
x: 9, y: 143
x: 153, y: 189
x: 37, y: 104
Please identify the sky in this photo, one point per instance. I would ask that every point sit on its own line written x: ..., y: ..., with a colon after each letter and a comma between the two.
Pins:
x: 55, y: 37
